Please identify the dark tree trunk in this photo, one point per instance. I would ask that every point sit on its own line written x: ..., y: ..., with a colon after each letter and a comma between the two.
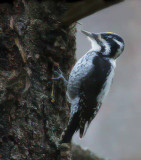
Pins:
x: 33, y: 107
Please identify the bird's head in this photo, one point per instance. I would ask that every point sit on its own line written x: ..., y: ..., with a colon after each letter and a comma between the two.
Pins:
x: 107, y: 44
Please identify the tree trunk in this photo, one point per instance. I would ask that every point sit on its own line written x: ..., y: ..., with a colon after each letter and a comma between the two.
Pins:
x: 33, y: 107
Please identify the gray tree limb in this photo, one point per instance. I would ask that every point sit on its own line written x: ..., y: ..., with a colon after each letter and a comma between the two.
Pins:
x: 81, y: 9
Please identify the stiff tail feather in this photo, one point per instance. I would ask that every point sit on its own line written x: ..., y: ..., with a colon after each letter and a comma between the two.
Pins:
x: 72, y: 127
x: 83, y: 129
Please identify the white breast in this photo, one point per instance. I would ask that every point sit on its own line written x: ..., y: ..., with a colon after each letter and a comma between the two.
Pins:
x: 107, y: 84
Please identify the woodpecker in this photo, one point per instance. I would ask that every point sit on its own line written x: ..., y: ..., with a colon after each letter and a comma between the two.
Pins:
x: 90, y: 80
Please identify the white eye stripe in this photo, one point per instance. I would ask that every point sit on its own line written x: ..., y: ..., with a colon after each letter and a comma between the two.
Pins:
x: 119, y: 51
x: 109, y: 36
x: 119, y: 43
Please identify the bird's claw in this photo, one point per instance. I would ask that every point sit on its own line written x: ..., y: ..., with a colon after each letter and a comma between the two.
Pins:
x: 60, y: 75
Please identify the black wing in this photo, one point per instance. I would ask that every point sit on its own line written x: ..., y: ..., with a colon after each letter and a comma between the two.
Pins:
x: 90, y: 88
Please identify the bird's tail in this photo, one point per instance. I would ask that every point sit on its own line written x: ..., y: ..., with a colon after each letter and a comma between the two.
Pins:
x: 83, y: 128
x: 85, y: 120
x: 72, y: 127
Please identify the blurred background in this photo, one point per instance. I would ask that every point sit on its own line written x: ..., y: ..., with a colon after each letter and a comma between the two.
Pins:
x: 115, y: 133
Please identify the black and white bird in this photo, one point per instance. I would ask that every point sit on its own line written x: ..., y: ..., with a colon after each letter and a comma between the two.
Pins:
x: 90, y: 81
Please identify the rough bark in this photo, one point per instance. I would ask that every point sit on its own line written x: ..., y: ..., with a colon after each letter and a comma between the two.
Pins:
x: 33, y: 107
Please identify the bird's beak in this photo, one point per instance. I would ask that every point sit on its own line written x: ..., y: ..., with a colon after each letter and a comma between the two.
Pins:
x: 89, y: 34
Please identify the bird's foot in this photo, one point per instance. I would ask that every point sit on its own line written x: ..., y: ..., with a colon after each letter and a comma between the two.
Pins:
x: 59, y: 74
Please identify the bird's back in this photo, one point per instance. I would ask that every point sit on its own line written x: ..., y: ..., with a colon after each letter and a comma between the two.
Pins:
x: 97, y: 79
x: 93, y: 89
x: 89, y: 75
x: 78, y: 73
